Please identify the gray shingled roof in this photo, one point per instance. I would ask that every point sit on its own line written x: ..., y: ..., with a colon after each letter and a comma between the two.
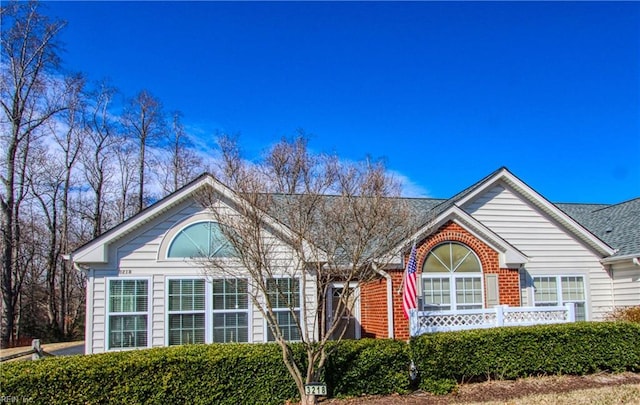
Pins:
x: 617, y: 225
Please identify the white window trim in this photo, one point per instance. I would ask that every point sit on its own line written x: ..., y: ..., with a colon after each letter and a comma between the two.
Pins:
x: 249, y: 309
x: 107, y: 321
x: 452, y: 286
x: 302, y: 317
x: 561, y: 300
x: 208, y: 307
x: 179, y: 232
x: 452, y: 276
x: 168, y: 312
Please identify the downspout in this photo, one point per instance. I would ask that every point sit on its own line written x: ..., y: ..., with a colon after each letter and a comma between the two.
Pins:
x: 88, y: 327
x: 390, y: 324
x: 609, y: 269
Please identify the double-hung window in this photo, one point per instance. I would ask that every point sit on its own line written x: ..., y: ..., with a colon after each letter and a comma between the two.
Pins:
x: 230, y: 310
x: 128, y: 313
x: 451, y: 279
x: 560, y: 290
x: 284, y: 296
x: 186, y: 311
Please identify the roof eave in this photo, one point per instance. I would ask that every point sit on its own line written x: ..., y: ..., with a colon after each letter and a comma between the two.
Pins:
x: 634, y: 258
x: 504, y: 175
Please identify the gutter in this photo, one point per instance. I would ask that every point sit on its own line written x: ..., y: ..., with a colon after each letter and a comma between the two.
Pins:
x: 390, y: 325
x: 634, y: 258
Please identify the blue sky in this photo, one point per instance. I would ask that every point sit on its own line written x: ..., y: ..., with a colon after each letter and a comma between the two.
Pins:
x: 446, y: 92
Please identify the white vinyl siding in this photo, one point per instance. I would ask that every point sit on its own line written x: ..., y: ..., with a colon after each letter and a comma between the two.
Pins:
x: 626, y: 285
x: 97, y: 337
x: 141, y: 254
x: 551, y: 250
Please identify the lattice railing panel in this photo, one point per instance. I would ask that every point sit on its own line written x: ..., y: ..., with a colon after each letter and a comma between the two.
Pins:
x: 534, y: 317
x: 437, y: 321
x: 453, y: 320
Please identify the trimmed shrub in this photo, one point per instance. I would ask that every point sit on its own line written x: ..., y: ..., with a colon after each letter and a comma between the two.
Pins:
x: 199, y: 374
x: 195, y: 374
x: 508, y: 353
x: 368, y: 366
x: 255, y: 374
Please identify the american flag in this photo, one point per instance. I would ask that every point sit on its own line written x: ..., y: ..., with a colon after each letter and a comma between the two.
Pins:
x: 409, y: 290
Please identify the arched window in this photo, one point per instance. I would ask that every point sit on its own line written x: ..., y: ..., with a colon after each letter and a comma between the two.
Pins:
x: 201, y: 239
x: 451, y: 278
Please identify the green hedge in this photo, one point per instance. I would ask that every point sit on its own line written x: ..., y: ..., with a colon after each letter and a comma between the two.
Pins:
x: 254, y: 373
x: 194, y: 374
x: 374, y: 367
x: 507, y: 353
x: 198, y: 374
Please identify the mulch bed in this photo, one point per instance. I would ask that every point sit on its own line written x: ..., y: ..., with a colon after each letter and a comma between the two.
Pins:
x: 498, y: 390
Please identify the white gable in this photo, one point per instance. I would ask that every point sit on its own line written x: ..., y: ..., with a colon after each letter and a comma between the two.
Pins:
x: 525, y: 226
x: 549, y: 244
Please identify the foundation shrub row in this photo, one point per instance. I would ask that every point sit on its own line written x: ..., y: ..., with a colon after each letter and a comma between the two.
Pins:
x: 254, y: 373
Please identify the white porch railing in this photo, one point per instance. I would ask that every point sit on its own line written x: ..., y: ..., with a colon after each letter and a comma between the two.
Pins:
x: 421, y: 322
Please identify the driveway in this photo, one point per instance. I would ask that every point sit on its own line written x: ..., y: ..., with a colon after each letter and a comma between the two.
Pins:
x: 57, y: 349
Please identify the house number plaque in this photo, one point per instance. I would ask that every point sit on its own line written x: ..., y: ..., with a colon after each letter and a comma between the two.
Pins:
x: 315, y: 388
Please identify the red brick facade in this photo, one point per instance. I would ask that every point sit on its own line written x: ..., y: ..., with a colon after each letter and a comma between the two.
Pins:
x: 373, y: 295
x: 373, y: 309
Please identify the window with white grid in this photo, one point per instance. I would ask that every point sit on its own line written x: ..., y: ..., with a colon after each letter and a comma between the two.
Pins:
x: 468, y: 293
x: 546, y: 291
x: 230, y: 310
x: 284, y: 296
x: 573, y: 291
x: 186, y: 311
x: 560, y: 290
x: 436, y: 294
x: 128, y: 313
x: 451, y: 278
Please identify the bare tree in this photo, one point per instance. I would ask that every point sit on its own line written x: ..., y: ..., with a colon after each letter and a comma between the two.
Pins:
x: 126, y: 200
x: 143, y: 121
x: 180, y: 163
x: 28, y: 100
x: 51, y: 184
x: 98, y: 148
x: 282, y: 223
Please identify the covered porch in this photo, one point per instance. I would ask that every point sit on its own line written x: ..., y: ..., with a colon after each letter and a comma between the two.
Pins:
x: 421, y: 322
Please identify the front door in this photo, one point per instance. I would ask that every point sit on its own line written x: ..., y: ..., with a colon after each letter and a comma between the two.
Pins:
x: 341, y: 296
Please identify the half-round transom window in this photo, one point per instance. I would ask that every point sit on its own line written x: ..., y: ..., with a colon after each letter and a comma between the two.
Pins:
x: 451, y: 279
x: 202, y: 239
x: 451, y: 257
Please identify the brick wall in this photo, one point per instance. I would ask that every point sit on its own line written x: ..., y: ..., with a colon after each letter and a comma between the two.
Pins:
x: 400, y: 325
x: 508, y: 279
x: 508, y: 286
x: 373, y: 309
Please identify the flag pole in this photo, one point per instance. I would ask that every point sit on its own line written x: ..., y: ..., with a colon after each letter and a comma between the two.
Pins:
x: 404, y: 267
x: 409, y: 290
